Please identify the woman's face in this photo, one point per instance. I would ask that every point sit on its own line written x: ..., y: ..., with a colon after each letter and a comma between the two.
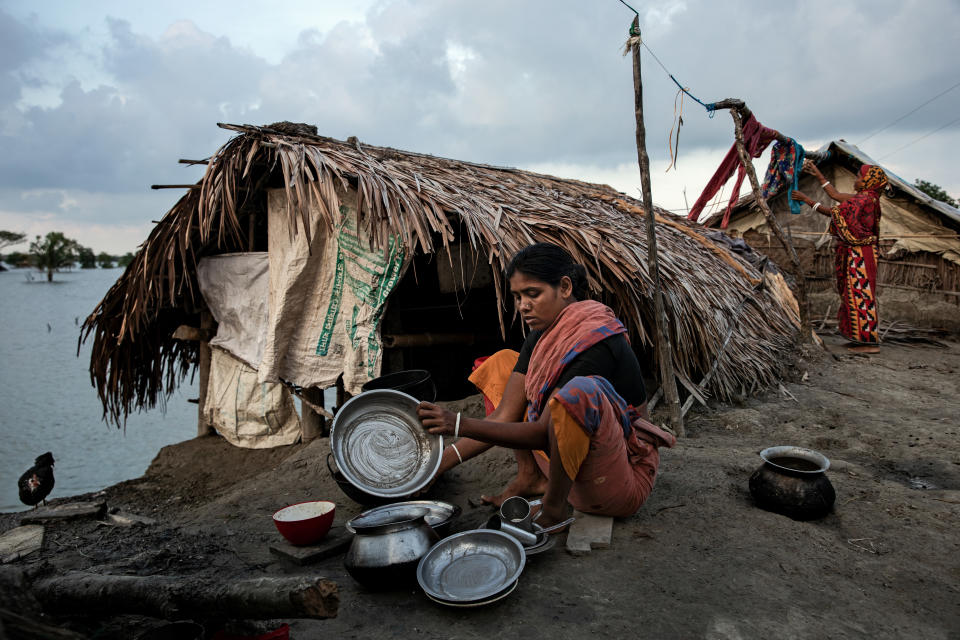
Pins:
x: 539, y: 302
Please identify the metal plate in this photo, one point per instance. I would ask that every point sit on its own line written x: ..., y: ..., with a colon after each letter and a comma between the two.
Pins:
x: 439, y: 513
x: 478, y: 603
x: 545, y: 542
x: 380, y: 446
x: 471, y: 566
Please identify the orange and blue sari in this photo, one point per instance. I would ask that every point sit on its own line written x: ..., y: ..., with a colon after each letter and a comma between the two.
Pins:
x: 605, y: 446
x: 856, y: 225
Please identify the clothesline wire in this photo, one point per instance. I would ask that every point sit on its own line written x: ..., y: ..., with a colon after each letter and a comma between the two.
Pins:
x: 918, y: 139
x: 710, y: 107
x: 912, y: 111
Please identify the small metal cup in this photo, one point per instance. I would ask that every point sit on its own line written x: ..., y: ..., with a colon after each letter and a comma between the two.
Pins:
x: 516, y: 512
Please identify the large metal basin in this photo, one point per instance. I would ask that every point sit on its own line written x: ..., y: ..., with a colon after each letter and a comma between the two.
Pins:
x: 381, y: 447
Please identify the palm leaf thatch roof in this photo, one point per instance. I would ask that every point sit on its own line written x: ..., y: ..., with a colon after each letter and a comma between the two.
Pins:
x: 431, y: 202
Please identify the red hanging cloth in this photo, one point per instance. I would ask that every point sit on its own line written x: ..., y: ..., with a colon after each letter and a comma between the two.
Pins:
x: 756, y: 138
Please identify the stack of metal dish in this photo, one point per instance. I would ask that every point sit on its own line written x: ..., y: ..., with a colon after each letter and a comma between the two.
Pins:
x: 472, y: 568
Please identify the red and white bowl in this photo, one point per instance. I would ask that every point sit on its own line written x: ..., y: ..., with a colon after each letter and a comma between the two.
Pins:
x: 305, y: 522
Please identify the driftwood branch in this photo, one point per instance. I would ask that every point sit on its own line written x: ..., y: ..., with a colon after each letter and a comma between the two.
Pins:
x: 178, y: 597
x: 740, y: 107
x: 664, y: 350
x: 805, y: 332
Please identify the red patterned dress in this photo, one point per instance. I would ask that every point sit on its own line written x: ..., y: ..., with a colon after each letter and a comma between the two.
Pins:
x: 856, y: 225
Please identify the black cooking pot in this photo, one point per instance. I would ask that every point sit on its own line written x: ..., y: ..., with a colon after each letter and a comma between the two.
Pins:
x: 792, y: 481
x: 355, y: 493
x: 415, y: 382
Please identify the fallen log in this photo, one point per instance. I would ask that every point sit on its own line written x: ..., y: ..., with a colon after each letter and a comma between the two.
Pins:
x: 183, y: 597
x: 21, y: 627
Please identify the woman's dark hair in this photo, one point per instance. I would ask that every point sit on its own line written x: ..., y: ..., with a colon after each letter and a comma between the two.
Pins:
x: 549, y: 263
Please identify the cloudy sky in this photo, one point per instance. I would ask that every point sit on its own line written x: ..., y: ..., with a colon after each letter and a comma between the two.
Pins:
x: 98, y: 99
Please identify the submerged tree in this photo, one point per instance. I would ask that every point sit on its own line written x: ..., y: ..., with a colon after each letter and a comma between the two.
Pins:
x: 86, y: 257
x: 105, y: 260
x: 935, y: 191
x: 53, y: 252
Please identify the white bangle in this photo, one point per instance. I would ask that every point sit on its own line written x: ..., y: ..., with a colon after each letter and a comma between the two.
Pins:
x: 816, y: 206
x: 456, y: 430
x: 824, y: 185
x: 457, y: 451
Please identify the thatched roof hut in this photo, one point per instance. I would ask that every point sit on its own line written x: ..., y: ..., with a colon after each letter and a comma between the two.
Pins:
x: 446, y: 214
x: 919, y: 266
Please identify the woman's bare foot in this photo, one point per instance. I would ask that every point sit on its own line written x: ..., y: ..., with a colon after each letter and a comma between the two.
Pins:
x: 550, y: 515
x: 524, y: 485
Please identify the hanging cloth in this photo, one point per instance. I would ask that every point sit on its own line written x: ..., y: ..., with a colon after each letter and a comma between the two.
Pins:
x: 786, y: 161
x: 756, y: 138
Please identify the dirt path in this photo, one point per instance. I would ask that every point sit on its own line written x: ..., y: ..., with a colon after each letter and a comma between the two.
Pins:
x: 698, y: 561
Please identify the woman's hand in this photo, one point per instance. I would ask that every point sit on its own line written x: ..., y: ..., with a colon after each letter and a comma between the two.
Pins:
x: 436, y: 419
x: 796, y: 195
x: 812, y: 169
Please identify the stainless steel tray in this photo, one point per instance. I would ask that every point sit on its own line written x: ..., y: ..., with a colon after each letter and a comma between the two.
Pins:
x: 471, y: 566
x: 380, y: 445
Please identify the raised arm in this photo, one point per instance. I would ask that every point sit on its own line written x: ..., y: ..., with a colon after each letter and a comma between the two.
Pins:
x: 510, y: 410
x: 503, y: 427
x: 830, y: 190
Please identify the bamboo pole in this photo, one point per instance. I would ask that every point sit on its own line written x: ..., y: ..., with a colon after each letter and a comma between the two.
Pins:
x: 736, y: 113
x: 664, y: 350
x: 206, y: 325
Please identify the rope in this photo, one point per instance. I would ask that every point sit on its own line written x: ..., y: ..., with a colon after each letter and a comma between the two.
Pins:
x: 674, y: 148
x: 635, y: 39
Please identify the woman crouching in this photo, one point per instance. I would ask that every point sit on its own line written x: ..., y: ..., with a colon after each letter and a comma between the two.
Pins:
x: 571, y: 404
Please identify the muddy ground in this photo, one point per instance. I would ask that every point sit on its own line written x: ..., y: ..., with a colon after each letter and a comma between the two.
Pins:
x: 699, y: 560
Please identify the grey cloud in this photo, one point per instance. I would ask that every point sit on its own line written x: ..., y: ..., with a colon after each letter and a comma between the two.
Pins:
x: 21, y: 44
x: 545, y: 83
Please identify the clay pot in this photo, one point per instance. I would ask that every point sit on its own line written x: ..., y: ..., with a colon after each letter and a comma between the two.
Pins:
x: 792, y: 481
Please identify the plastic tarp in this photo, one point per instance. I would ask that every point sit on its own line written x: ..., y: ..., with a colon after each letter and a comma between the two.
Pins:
x: 236, y: 288
x: 246, y: 412
x: 326, y: 299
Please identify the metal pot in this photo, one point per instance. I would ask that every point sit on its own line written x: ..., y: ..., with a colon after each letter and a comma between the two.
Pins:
x: 356, y: 494
x: 387, y: 548
x: 792, y: 481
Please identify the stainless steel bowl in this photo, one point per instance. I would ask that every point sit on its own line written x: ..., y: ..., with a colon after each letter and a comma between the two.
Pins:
x: 381, y: 447
x: 471, y: 566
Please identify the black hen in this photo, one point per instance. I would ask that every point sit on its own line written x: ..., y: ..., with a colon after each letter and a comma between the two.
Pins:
x: 37, y: 483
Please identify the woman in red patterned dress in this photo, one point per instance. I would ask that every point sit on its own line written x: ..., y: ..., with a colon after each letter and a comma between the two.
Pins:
x: 855, y: 223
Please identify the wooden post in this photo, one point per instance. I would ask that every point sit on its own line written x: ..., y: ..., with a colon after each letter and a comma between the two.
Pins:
x: 805, y: 330
x: 312, y: 424
x: 203, y: 425
x: 664, y: 350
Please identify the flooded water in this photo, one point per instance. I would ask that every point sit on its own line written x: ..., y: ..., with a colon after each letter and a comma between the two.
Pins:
x: 47, y: 402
